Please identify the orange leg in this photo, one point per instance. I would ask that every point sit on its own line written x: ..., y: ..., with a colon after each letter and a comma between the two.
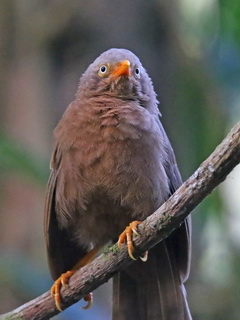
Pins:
x: 127, y: 236
x: 64, y: 278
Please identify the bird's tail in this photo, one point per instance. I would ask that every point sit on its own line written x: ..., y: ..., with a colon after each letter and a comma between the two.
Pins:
x: 151, y: 290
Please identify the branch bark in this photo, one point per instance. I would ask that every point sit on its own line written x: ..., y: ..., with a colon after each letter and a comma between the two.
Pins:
x: 154, y: 229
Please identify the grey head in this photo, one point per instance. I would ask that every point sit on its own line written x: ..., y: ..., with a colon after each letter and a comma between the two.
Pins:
x: 118, y: 73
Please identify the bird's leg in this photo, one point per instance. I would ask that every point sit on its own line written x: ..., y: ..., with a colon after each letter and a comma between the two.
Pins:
x: 64, y: 278
x: 127, y: 236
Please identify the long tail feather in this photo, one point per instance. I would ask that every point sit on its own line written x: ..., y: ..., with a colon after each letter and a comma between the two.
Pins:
x: 151, y: 290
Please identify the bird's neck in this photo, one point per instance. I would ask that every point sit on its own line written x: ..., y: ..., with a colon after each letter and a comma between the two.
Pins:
x: 107, y: 119
x: 118, y: 111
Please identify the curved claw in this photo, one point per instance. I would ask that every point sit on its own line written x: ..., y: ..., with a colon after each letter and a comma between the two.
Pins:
x: 144, y: 257
x: 55, y: 293
x: 89, y: 299
x: 127, y: 235
x: 56, y: 287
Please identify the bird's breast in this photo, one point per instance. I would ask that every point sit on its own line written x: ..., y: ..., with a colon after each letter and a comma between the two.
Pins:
x: 128, y: 163
x: 115, y: 156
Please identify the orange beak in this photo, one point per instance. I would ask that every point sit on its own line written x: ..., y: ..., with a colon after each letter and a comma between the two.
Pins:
x: 122, y: 69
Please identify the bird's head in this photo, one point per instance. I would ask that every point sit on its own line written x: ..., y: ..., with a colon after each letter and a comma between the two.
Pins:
x: 118, y: 73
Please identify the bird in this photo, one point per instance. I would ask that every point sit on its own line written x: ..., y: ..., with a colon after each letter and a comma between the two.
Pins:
x: 112, y: 166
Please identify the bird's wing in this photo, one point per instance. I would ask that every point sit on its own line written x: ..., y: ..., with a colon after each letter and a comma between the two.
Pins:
x: 63, y: 253
x: 180, y: 239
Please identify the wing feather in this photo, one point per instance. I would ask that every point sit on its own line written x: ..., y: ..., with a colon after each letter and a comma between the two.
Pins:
x: 180, y: 238
x: 63, y: 252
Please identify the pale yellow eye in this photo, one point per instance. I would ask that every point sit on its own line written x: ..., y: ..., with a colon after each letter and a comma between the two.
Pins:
x: 103, y: 70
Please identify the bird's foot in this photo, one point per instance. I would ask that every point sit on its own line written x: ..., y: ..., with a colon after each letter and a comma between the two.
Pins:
x: 127, y: 236
x: 55, y: 289
x: 63, y: 281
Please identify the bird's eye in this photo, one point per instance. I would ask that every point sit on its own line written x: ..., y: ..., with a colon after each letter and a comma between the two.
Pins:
x: 103, y: 70
x: 137, y: 72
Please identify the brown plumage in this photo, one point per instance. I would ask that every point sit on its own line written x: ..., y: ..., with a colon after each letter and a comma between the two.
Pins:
x: 113, y: 163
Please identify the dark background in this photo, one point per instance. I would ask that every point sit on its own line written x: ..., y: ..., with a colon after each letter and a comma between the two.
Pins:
x: 191, y: 50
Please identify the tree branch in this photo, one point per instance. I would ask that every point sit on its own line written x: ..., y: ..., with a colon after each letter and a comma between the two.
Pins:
x: 154, y: 229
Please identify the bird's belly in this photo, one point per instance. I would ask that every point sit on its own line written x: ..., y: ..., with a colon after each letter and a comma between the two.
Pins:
x: 126, y: 183
x: 103, y: 220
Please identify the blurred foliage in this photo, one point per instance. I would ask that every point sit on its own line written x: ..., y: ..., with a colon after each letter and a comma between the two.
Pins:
x: 14, y: 158
x: 229, y: 19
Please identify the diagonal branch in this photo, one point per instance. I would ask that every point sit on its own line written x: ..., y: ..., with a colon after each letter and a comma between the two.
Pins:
x: 155, y: 228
